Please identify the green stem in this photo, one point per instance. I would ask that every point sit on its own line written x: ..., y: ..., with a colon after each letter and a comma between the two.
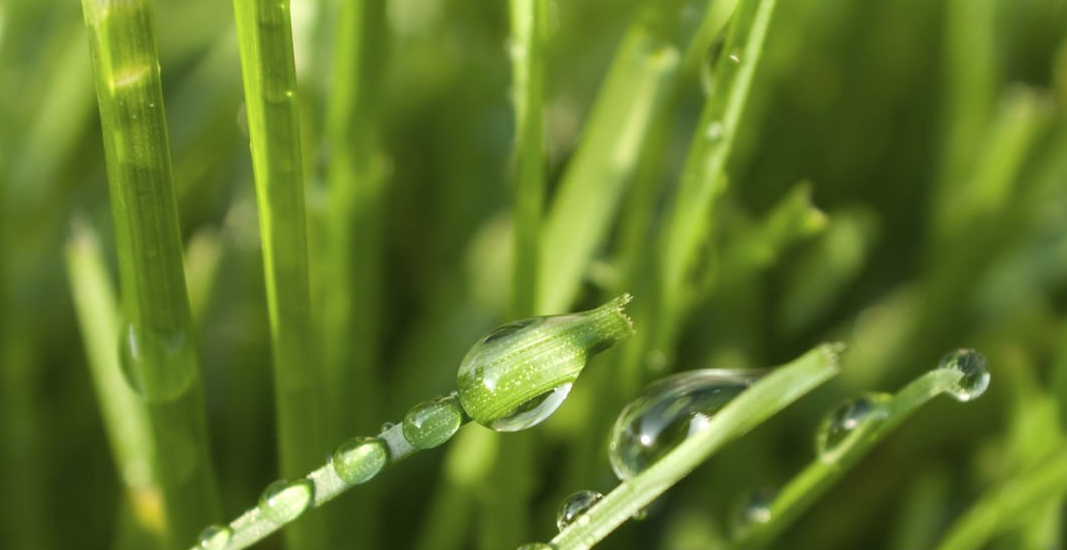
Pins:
x: 806, y: 488
x: 157, y: 338
x: 753, y: 406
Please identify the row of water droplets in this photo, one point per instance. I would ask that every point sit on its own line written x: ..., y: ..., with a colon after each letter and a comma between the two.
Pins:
x: 677, y: 407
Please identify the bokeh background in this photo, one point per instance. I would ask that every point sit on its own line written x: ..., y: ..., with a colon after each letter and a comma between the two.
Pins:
x: 930, y: 134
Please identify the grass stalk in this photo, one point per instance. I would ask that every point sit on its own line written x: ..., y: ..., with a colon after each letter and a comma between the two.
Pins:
x: 810, y: 484
x: 157, y: 336
x: 126, y: 419
x: 264, y: 34
x: 753, y: 406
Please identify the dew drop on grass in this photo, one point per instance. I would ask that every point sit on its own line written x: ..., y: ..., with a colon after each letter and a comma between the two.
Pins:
x: 538, y: 546
x: 735, y: 56
x: 158, y: 364
x: 431, y: 423
x: 975, y: 374
x: 845, y: 419
x: 753, y: 508
x: 215, y: 537
x: 284, y: 500
x: 575, y: 507
x: 387, y: 426
x: 669, y: 411
x: 714, y: 132
x: 359, y: 459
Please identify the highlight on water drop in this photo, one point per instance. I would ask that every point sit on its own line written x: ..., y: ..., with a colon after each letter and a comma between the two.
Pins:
x: 214, y: 537
x: 846, y: 419
x: 284, y: 500
x: 669, y: 411
x: 359, y: 459
x: 975, y: 374
x: 575, y: 507
x: 753, y: 508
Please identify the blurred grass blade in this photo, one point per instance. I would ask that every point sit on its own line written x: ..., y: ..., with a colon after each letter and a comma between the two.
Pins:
x: 126, y: 418
x: 750, y: 408
x: 265, y: 39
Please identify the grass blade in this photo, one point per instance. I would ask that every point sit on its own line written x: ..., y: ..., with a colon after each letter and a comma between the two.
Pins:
x: 157, y: 334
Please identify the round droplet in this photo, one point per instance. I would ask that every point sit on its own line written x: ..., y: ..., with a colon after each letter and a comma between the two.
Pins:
x: 284, y: 500
x: 215, y: 537
x: 575, y: 507
x: 753, y: 508
x: 669, y: 411
x: 160, y: 365
x: 519, y: 374
x: 975, y: 374
x: 714, y: 131
x: 359, y: 459
x: 431, y: 423
x: 538, y: 546
x: 845, y: 420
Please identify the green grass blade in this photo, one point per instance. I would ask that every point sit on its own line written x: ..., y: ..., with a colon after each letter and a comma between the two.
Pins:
x: 806, y: 488
x: 264, y: 34
x: 157, y: 334
x: 753, y: 406
x: 126, y: 418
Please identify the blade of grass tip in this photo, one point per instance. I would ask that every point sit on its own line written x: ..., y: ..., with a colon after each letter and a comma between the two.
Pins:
x: 125, y: 415
x: 265, y: 41
x: 505, y: 508
x: 1009, y: 505
x: 811, y: 483
x: 753, y: 406
x: 158, y: 351
x: 632, y: 98
x: 352, y: 251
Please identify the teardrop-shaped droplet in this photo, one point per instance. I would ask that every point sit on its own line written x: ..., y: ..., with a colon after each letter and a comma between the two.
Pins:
x: 538, y: 546
x: 359, y: 459
x: 215, y: 537
x: 975, y: 374
x: 753, y: 508
x: 519, y: 374
x: 160, y: 365
x: 846, y: 419
x: 574, y: 508
x: 431, y: 423
x: 667, y: 412
x: 284, y: 500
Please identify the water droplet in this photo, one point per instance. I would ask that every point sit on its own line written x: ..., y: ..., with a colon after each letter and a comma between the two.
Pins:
x: 845, y: 420
x: 714, y: 132
x: 215, y: 537
x: 735, y: 56
x: 753, y: 508
x: 669, y: 411
x: 359, y: 459
x: 538, y: 546
x: 386, y: 426
x: 575, y: 507
x: 975, y: 374
x: 284, y: 500
x: 519, y: 374
x: 431, y: 423
x: 160, y: 365
x: 640, y: 515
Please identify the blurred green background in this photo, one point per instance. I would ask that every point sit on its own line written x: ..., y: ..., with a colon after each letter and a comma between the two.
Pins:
x: 931, y: 134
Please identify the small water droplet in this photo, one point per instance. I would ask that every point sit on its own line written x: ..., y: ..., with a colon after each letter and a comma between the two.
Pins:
x: 538, y: 546
x: 640, y: 515
x: 575, y: 507
x: 158, y: 364
x: 975, y: 374
x: 753, y: 508
x: 715, y: 131
x: 386, y: 426
x: 359, y: 459
x: 284, y: 500
x: 735, y: 56
x: 215, y: 537
x: 667, y: 412
x: 844, y: 421
x: 431, y: 423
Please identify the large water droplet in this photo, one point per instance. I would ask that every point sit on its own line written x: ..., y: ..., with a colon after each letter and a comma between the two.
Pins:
x: 538, y: 546
x: 574, y: 508
x: 284, y: 500
x: 975, y: 374
x: 431, y: 423
x: 669, y: 411
x: 160, y: 365
x: 359, y: 459
x: 753, y: 508
x: 845, y: 420
x: 215, y: 537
